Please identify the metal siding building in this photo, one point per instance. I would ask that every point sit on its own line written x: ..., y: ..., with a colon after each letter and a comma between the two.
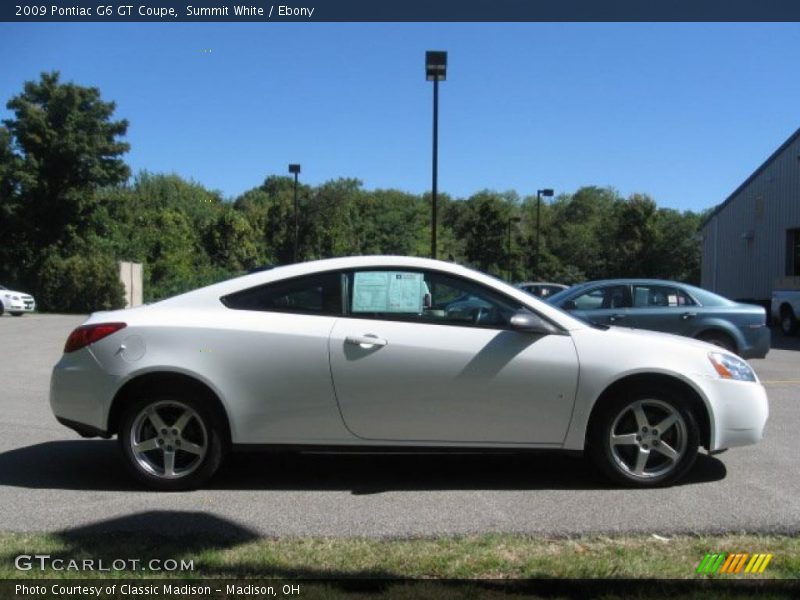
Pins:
x: 753, y: 237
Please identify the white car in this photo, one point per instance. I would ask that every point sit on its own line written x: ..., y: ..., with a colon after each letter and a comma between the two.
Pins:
x: 15, y: 303
x: 363, y: 352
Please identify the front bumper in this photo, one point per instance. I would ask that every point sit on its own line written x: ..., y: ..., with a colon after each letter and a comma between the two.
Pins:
x: 19, y: 306
x: 739, y: 412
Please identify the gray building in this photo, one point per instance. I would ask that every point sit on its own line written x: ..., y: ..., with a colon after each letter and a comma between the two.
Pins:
x: 752, y: 240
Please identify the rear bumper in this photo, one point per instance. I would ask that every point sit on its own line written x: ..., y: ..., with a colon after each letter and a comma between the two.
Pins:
x: 81, y: 393
x: 757, y: 343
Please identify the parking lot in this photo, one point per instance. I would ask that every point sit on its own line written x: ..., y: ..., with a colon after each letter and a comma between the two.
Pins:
x: 52, y: 480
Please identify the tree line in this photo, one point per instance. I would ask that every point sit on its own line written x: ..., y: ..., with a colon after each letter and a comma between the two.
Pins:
x: 70, y: 209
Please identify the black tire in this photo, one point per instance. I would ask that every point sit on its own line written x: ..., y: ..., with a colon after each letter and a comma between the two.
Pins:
x: 788, y: 321
x: 202, y: 429
x: 719, y: 338
x: 2, y: 308
x: 618, y: 461
x: 16, y: 314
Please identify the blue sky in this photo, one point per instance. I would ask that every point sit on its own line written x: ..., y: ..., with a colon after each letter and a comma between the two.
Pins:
x: 683, y: 112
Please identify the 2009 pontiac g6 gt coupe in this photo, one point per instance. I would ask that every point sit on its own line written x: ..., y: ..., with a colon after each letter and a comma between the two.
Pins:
x: 394, y: 352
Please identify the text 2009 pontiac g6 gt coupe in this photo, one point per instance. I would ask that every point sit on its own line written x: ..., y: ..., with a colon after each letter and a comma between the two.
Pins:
x: 394, y: 352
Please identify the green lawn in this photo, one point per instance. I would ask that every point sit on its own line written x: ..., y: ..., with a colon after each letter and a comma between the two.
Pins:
x: 484, y: 556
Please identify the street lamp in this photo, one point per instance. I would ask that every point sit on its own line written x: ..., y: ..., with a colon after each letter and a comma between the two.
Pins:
x: 510, y: 221
x: 539, y: 193
x: 435, y: 71
x: 295, y: 170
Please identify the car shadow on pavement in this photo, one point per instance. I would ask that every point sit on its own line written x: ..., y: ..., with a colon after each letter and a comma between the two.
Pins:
x: 97, y: 465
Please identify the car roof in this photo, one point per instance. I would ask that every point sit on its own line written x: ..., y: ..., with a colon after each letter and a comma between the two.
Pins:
x: 212, y: 293
x: 630, y: 282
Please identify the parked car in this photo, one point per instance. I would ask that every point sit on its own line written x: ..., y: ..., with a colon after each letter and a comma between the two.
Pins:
x: 369, y: 353
x: 15, y: 303
x: 541, y: 289
x: 671, y: 307
x: 785, y: 308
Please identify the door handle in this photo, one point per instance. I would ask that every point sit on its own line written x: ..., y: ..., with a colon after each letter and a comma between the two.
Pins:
x: 688, y: 315
x: 614, y: 318
x: 365, y: 341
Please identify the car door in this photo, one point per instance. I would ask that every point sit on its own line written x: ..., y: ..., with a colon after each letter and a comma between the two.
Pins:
x: 425, y: 356
x: 607, y: 304
x: 661, y: 307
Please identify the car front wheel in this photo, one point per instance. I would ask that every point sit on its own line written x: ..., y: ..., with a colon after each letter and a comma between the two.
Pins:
x: 171, y: 442
x: 645, y: 438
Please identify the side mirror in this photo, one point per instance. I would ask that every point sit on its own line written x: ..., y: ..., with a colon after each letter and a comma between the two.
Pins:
x: 568, y: 305
x: 528, y: 322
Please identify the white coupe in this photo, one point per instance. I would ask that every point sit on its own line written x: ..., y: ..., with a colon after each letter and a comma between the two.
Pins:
x: 380, y: 352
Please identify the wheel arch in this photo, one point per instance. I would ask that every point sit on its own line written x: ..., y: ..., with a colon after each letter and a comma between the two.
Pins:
x: 723, y: 327
x: 697, y: 403
x: 167, y: 381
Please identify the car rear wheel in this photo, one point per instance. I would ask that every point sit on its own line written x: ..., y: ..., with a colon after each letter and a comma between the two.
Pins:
x: 788, y: 321
x: 171, y: 442
x: 723, y: 340
x: 645, y: 438
x: 16, y: 314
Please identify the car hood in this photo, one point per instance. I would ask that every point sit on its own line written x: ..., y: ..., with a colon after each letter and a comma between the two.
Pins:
x: 14, y: 293
x: 657, y: 337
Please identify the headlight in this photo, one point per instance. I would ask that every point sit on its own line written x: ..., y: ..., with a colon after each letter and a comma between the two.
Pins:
x: 731, y: 367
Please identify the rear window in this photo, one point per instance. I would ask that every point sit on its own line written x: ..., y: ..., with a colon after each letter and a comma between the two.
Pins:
x: 319, y: 294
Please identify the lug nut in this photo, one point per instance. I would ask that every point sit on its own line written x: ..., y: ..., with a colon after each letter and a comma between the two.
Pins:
x: 160, y: 442
x: 174, y: 431
x: 644, y: 446
x: 644, y: 429
x: 655, y: 431
x: 638, y: 438
x: 164, y: 431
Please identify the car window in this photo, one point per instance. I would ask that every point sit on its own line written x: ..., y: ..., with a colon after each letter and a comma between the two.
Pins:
x: 649, y: 296
x: 426, y: 296
x: 611, y: 296
x: 316, y: 294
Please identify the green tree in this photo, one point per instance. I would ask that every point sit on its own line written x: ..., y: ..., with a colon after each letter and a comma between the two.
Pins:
x: 68, y: 146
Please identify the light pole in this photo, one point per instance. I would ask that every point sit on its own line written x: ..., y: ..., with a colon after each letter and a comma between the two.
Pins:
x: 295, y: 169
x: 436, y: 71
x: 539, y: 193
x: 510, y: 221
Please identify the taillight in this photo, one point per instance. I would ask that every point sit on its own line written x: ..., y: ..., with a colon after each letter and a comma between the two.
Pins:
x: 89, y: 334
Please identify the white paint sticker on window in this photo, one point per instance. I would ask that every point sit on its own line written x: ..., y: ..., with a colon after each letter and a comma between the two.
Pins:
x: 388, y: 291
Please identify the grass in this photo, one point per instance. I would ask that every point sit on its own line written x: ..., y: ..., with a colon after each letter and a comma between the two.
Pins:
x: 483, y: 556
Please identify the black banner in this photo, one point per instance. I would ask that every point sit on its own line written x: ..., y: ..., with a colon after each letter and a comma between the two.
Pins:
x: 368, y: 589
x: 400, y: 11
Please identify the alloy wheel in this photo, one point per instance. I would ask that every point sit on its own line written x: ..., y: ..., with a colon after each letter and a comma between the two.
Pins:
x: 168, y: 439
x: 648, y: 439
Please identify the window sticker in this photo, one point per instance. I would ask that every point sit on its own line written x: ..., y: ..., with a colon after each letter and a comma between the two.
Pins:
x: 388, y: 291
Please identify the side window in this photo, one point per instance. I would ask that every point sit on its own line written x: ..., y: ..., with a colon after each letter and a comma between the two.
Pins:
x: 612, y: 296
x: 649, y: 296
x: 427, y: 296
x: 316, y: 294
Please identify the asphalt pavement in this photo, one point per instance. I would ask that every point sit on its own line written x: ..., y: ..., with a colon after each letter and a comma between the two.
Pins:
x: 52, y: 480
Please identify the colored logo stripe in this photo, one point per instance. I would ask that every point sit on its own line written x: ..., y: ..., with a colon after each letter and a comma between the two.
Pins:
x: 733, y: 563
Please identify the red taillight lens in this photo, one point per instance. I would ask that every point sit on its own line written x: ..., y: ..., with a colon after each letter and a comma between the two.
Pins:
x: 89, y: 334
